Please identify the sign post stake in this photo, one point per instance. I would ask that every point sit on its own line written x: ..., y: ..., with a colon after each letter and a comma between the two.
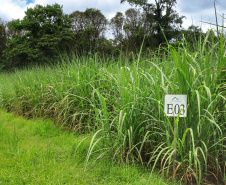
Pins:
x: 175, y: 153
x: 175, y: 105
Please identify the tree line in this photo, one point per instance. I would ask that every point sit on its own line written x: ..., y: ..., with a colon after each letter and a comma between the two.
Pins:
x: 46, y: 30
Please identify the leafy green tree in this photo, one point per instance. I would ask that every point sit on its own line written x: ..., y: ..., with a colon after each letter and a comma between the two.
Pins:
x: 11, y: 33
x: 78, y: 21
x: 133, y: 22
x: 134, y: 29
x: 89, y: 29
x: 116, y: 24
x: 45, y: 29
x: 130, y: 29
x: 166, y: 19
x: 192, y: 34
x: 97, y: 20
x: 3, y: 41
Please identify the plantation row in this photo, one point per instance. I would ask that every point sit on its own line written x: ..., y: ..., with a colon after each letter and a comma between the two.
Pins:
x: 121, y: 102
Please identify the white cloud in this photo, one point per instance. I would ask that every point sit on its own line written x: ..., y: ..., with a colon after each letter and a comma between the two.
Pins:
x: 14, y: 9
x: 202, y: 18
x: 194, y: 10
x: 11, y: 9
x: 201, y: 12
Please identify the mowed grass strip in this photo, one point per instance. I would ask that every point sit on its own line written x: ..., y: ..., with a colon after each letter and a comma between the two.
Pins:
x: 39, y: 152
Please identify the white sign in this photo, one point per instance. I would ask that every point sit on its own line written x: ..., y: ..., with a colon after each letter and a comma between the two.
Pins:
x: 174, y: 104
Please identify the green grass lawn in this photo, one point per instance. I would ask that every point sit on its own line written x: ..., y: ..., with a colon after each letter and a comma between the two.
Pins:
x: 38, y: 152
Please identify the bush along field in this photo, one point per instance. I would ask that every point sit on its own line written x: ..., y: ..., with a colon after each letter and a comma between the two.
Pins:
x: 121, y: 101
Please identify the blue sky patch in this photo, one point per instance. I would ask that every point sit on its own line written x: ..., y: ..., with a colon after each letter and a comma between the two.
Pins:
x: 29, y: 1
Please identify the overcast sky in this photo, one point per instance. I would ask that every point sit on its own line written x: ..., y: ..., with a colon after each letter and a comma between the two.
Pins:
x: 194, y: 10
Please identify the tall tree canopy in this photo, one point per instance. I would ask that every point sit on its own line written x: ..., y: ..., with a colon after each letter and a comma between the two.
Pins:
x: 3, y: 40
x: 44, y: 28
x: 164, y: 15
x: 130, y: 29
x: 116, y: 24
x: 89, y: 28
x: 134, y: 29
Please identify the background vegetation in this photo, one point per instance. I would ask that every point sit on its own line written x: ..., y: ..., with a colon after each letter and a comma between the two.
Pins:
x: 47, y: 31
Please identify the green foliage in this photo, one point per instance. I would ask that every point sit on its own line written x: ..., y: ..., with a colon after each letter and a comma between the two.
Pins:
x: 122, y: 103
x: 116, y: 24
x: 89, y: 29
x: 133, y: 28
x: 45, y: 29
x: 162, y: 17
x: 136, y: 2
x: 3, y: 40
